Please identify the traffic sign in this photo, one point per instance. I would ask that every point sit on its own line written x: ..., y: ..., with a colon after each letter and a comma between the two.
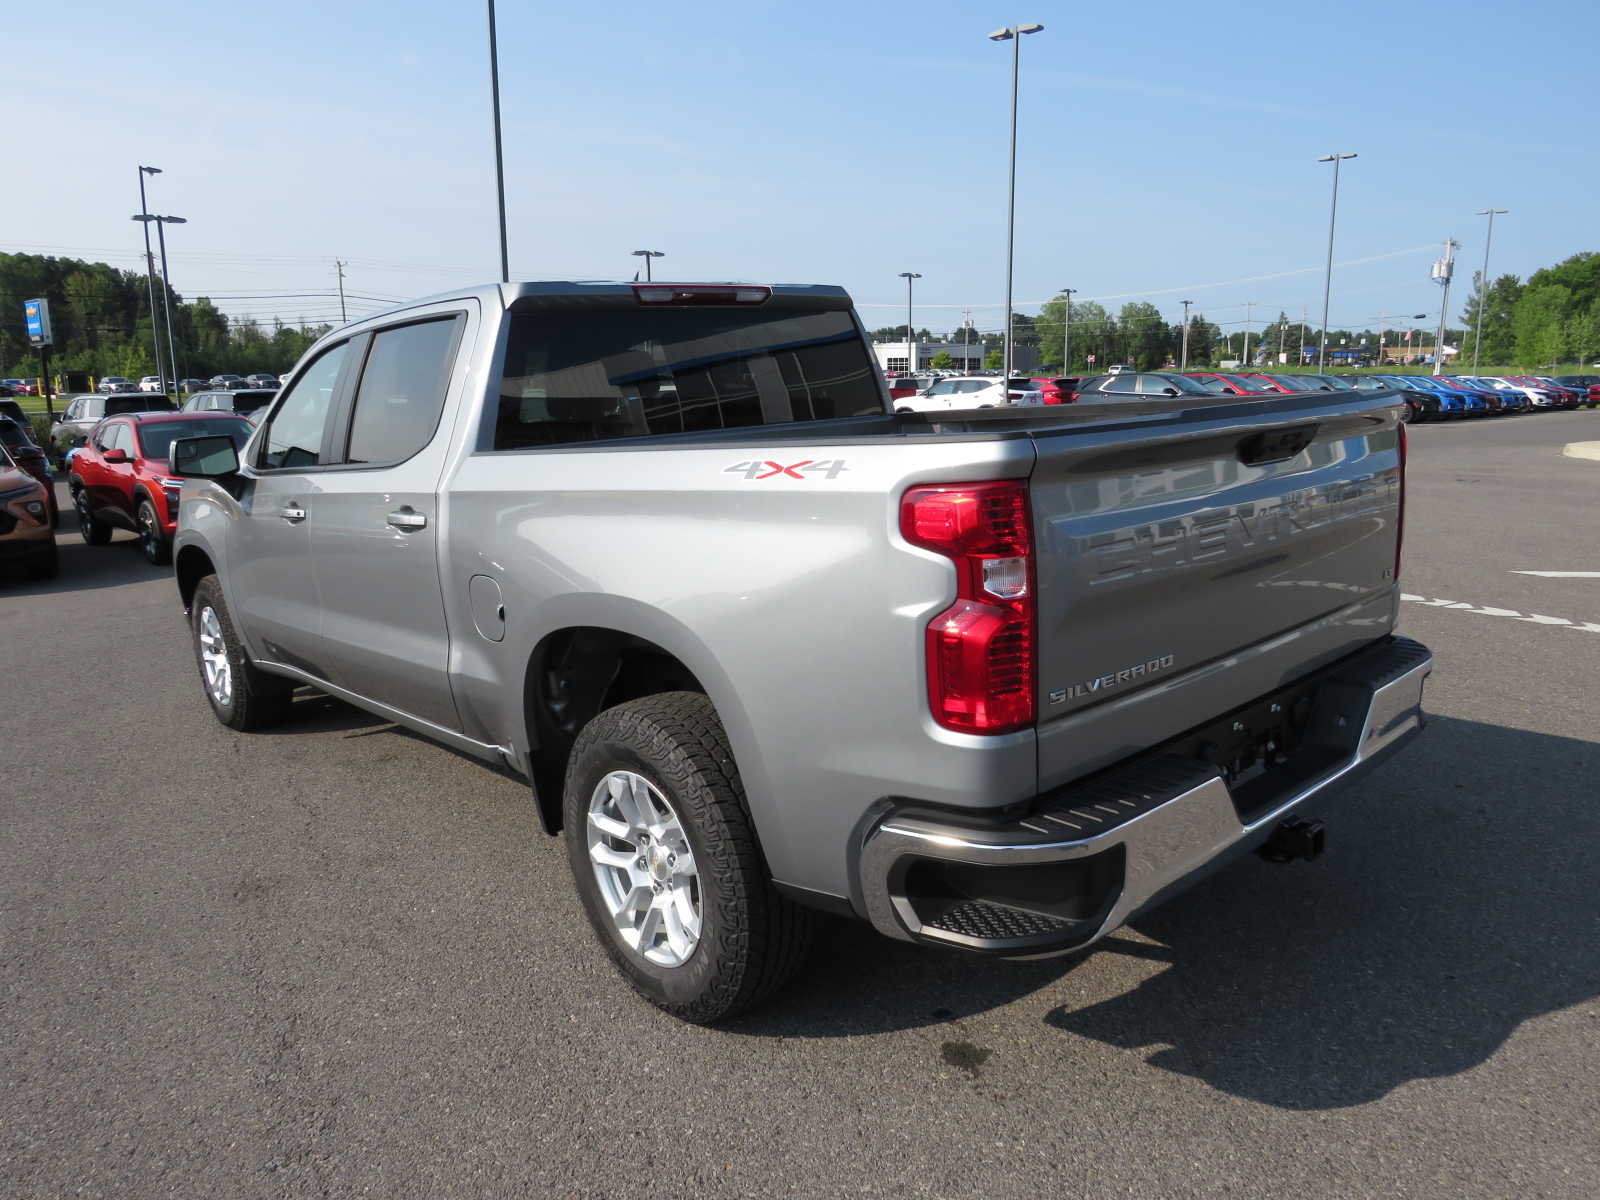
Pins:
x: 1091, y: 360
x: 37, y: 315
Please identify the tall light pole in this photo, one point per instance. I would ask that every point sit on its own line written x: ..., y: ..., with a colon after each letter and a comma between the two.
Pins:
x: 1483, y: 280
x: 1012, y: 34
x: 647, y: 255
x: 911, y: 353
x: 1184, y: 365
x: 1327, y: 278
x: 166, y: 287
x: 150, y: 271
x: 1249, y: 307
x: 499, y: 155
x: 1066, y: 332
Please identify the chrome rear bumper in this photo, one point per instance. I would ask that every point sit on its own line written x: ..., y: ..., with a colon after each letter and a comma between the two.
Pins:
x: 1089, y: 856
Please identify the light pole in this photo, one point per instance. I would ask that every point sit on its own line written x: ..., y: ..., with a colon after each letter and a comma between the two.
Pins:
x: 1327, y: 278
x: 1249, y: 307
x: 647, y: 255
x: 1066, y: 332
x: 1012, y: 34
x: 911, y: 353
x: 1483, y: 281
x: 150, y: 271
x: 499, y: 156
x: 1184, y: 365
x: 166, y: 285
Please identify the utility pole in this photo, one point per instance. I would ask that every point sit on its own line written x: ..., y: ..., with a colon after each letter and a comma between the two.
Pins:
x: 1066, y: 332
x: 1249, y: 305
x: 1184, y: 366
x: 1283, y: 332
x: 499, y: 154
x: 1442, y: 271
x: 966, y: 340
x: 338, y: 268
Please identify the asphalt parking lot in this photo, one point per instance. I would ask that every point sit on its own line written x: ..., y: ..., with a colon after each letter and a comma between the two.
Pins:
x: 337, y: 960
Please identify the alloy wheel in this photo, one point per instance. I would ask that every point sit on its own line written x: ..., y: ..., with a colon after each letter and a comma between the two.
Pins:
x: 645, y: 868
x: 214, y: 658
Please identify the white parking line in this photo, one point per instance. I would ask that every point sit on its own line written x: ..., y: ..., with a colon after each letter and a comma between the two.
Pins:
x: 1485, y: 610
x: 1561, y: 574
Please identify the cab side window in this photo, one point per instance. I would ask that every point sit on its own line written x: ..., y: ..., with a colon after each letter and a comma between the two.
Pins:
x: 294, y: 435
x: 402, y: 391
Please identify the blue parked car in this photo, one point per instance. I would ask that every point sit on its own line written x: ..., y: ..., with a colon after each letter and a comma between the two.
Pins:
x: 1422, y: 404
x: 1453, y: 402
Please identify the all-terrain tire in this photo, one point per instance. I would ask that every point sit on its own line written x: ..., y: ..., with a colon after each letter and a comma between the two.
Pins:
x: 752, y: 939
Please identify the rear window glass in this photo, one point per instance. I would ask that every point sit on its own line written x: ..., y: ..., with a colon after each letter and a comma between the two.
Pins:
x: 156, y: 438
x: 116, y: 405
x: 602, y: 373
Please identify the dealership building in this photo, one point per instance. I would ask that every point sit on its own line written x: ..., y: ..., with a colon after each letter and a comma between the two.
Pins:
x: 919, y: 356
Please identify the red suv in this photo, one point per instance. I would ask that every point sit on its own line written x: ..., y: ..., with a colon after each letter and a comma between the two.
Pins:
x: 119, y: 477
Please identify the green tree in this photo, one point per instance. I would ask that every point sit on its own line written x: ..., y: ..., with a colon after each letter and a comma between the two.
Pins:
x: 1499, y: 339
x: 995, y: 360
x: 1539, y: 323
x: 1146, y: 338
x: 942, y: 361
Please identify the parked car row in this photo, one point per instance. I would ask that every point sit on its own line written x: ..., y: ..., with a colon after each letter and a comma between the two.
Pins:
x: 1426, y: 397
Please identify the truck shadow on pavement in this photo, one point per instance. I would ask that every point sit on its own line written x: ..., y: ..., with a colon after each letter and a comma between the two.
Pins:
x: 85, y: 567
x: 1457, y: 900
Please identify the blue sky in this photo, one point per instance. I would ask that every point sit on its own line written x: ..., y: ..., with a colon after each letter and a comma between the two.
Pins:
x: 1164, y: 148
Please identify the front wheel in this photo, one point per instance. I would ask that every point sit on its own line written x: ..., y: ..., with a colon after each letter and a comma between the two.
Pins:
x: 152, y: 538
x: 242, y: 696
x: 666, y: 862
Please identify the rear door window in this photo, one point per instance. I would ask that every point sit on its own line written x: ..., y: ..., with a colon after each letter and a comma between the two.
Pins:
x: 402, y: 391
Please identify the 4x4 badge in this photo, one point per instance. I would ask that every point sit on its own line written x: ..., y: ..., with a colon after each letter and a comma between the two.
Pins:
x: 767, y: 469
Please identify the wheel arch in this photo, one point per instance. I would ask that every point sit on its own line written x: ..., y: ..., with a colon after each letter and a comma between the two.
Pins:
x: 578, y: 668
x: 190, y: 565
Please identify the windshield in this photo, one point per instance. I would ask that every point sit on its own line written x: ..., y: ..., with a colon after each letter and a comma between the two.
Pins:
x: 1296, y: 383
x: 156, y: 437
x: 145, y: 402
x: 624, y: 371
x: 1249, y: 385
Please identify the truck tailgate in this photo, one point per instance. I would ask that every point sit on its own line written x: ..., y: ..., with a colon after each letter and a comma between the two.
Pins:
x: 1171, y: 541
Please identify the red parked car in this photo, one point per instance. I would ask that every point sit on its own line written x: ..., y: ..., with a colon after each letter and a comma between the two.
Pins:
x: 904, y: 385
x: 1059, y: 390
x: 119, y: 476
x: 1233, y: 385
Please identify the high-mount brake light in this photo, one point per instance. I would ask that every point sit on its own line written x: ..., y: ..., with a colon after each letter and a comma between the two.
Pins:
x: 980, y: 650
x: 701, y: 293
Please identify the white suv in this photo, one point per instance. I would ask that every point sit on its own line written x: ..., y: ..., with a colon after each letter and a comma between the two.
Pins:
x: 967, y: 391
x: 150, y: 383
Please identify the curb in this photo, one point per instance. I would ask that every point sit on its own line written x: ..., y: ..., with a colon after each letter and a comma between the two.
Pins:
x: 1590, y: 450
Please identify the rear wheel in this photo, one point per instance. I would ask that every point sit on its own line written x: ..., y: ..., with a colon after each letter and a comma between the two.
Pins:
x: 666, y: 863
x: 152, y: 538
x: 95, y: 532
x: 242, y: 696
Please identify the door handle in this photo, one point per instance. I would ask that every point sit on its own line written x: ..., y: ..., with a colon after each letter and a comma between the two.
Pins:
x: 292, y: 513
x: 407, y: 519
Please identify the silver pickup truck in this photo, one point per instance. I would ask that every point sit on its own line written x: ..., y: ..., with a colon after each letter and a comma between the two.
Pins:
x: 995, y: 679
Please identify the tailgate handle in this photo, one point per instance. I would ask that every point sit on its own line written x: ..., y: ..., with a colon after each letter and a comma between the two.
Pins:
x: 1275, y: 445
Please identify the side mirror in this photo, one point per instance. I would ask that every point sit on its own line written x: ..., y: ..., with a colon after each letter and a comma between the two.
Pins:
x: 115, y: 456
x: 210, y: 457
x: 1169, y: 391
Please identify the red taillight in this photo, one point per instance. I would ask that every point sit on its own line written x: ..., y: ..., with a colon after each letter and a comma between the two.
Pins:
x: 700, y: 293
x: 980, y: 649
x: 1400, y: 518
